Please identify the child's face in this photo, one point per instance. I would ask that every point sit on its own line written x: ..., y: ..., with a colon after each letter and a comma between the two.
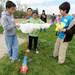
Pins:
x: 29, y: 12
x: 35, y: 16
x: 12, y: 10
x: 62, y: 12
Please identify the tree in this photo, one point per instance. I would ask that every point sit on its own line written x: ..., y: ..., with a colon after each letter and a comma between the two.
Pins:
x: 21, y: 7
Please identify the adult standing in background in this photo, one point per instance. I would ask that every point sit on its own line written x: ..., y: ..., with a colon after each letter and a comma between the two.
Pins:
x: 43, y: 16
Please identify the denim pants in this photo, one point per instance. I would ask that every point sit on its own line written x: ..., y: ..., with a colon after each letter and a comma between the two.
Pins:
x: 12, y: 46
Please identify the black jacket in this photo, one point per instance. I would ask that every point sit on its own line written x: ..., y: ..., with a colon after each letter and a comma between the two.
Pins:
x: 44, y: 19
x: 69, y: 34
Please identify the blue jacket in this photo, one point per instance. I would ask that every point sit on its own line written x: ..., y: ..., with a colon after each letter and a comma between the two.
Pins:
x: 66, y: 20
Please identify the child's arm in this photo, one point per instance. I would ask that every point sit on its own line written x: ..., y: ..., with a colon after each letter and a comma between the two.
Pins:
x: 71, y: 25
x: 28, y: 21
x: 64, y: 30
x: 6, y: 24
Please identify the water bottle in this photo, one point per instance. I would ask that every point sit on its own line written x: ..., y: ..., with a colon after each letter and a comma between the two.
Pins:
x: 25, y: 60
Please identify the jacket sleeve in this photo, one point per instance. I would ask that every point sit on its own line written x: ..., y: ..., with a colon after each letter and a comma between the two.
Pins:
x: 5, y: 24
x: 71, y: 24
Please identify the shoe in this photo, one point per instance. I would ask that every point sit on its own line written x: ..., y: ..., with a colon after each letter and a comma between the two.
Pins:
x: 60, y: 63
x: 12, y: 61
x: 27, y: 50
x: 37, y: 52
x: 10, y: 58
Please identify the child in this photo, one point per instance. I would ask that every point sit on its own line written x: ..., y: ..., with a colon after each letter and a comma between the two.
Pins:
x: 28, y: 16
x: 61, y: 46
x: 53, y: 18
x: 29, y: 13
x: 34, y: 35
x: 57, y: 23
x: 70, y: 31
x: 58, y: 18
x: 9, y: 27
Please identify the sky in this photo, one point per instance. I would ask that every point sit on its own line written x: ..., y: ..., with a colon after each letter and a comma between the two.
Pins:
x: 50, y: 6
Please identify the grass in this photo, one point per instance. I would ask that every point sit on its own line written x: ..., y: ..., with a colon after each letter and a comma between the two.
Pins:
x: 41, y: 63
x: 1, y: 29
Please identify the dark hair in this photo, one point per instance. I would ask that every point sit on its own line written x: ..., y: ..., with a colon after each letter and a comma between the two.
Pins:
x: 35, y: 11
x: 43, y: 10
x: 65, y: 6
x: 10, y: 4
x: 30, y: 9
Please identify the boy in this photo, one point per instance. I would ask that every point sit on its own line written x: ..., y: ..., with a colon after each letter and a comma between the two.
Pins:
x: 9, y: 27
x: 61, y: 46
x: 28, y: 16
x: 34, y: 35
x: 29, y: 13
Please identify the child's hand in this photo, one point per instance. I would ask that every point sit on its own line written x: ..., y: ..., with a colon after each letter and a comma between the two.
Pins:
x: 63, y: 30
x: 17, y: 25
x: 27, y: 21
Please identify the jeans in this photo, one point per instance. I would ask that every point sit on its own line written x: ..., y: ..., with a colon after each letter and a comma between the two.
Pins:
x: 12, y: 46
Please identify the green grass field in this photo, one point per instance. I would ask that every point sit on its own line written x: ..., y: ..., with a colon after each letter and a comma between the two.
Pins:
x: 41, y: 63
x: 1, y: 29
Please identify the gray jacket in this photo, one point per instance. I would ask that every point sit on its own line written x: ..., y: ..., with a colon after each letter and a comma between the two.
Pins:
x: 8, y: 23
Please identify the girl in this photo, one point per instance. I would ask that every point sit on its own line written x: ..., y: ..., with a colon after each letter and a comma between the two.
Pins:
x: 34, y: 35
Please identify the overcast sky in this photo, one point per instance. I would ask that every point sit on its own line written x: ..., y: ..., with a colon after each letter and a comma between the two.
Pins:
x: 51, y: 6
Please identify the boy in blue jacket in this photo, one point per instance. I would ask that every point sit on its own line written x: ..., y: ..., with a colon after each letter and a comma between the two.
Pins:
x: 61, y: 46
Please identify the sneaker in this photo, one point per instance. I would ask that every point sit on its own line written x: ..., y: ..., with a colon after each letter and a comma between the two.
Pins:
x: 12, y: 61
x: 27, y: 50
x: 37, y: 52
x: 60, y: 63
x: 10, y: 58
